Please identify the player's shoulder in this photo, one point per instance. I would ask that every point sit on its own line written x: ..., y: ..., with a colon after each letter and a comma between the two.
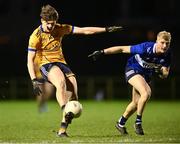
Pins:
x: 63, y: 28
x: 148, y: 43
x: 37, y: 32
x: 143, y: 45
x: 149, y: 47
x: 58, y: 25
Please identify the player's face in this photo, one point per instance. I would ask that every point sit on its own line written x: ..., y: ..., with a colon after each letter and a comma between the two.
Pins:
x: 162, y: 45
x: 48, y: 26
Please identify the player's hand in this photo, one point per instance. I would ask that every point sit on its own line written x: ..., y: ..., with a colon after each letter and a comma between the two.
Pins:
x: 114, y: 28
x: 96, y: 54
x: 36, y: 87
x: 158, y: 69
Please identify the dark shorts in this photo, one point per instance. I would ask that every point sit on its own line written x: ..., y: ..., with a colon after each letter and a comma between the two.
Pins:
x: 64, y: 68
x: 41, y: 80
x: 130, y: 72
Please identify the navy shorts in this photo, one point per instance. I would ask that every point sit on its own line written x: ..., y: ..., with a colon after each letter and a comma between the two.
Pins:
x: 64, y: 68
x: 130, y: 72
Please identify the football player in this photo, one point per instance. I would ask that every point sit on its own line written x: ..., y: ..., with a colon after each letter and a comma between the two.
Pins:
x: 46, y: 42
x: 146, y: 59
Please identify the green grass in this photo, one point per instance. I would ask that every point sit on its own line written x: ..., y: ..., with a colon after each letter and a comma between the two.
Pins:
x: 21, y: 123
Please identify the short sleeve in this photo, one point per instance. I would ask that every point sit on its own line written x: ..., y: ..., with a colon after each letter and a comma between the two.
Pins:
x: 67, y: 29
x: 137, y: 49
x: 33, y: 42
x: 143, y: 48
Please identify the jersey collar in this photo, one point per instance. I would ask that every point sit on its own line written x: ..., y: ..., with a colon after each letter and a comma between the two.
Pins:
x: 154, y: 48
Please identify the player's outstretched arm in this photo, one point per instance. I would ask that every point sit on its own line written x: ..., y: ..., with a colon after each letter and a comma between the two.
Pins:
x: 95, y: 30
x: 96, y: 54
x: 111, y: 50
x: 30, y: 64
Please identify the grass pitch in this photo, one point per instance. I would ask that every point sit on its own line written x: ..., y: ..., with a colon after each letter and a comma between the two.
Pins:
x: 20, y: 122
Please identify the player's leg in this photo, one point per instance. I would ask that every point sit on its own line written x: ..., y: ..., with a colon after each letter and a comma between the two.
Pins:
x: 143, y: 88
x: 48, y: 90
x: 130, y: 109
x: 71, y: 93
x: 41, y: 99
x: 57, y: 78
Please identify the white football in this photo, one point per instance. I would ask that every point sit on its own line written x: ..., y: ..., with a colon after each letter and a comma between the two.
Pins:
x: 75, y: 107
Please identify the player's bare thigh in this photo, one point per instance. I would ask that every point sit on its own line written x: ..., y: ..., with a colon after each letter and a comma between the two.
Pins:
x: 56, y: 76
x: 140, y: 84
x: 49, y: 90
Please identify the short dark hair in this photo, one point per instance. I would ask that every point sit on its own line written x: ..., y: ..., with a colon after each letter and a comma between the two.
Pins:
x: 49, y: 13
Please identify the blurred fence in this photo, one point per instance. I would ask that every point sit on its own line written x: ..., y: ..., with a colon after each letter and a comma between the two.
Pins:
x: 98, y: 88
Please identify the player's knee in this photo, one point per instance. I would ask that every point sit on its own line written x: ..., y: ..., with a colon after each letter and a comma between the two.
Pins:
x: 146, y: 95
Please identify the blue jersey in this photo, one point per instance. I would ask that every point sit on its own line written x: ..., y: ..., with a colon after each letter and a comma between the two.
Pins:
x: 143, y: 59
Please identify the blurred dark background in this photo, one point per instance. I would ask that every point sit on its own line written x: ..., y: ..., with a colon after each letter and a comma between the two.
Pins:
x: 141, y: 20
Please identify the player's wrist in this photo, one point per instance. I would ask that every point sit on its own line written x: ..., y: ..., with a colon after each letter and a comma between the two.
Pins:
x: 35, y: 82
x: 102, y: 51
x: 107, y: 29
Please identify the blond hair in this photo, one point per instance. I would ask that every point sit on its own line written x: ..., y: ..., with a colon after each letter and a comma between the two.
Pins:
x: 164, y: 35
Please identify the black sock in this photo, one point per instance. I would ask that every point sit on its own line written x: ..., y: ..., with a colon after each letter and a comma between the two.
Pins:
x: 64, y: 125
x: 138, y: 119
x: 122, y: 120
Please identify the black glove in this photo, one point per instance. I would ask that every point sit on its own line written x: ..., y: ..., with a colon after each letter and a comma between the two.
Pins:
x: 114, y: 28
x: 158, y: 69
x: 96, y: 54
x: 36, y: 87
